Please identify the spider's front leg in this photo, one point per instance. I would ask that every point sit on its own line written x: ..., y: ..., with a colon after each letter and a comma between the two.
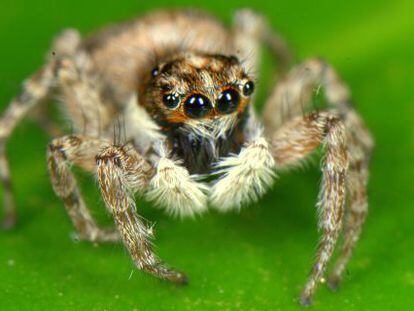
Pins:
x: 289, y: 100
x: 245, y: 177
x: 121, y: 173
x: 291, y: 144
x: 77, y: 150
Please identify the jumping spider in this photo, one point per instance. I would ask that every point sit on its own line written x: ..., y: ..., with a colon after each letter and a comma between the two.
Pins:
x: 183, y: 85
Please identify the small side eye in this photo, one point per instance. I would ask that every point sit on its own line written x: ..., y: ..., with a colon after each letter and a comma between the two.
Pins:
x: 248, y: 88
x: 228, y: 101
x: 171, y: 100
x: 155, y: 72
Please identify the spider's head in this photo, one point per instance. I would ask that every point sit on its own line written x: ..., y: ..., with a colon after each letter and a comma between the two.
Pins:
x: 197, y: 91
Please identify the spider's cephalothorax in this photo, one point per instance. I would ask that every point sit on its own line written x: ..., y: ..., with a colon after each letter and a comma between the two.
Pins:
x: 200, y: 101
x: 194, y: 115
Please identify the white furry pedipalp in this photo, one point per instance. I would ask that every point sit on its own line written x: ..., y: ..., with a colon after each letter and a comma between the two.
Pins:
x: 245, y: 177
x: 172, y: 187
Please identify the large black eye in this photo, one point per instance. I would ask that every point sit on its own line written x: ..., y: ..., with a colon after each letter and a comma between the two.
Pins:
x: 228, y: 101
x: 248, y: 88
x: 197, y: 106
x: 171, y: 100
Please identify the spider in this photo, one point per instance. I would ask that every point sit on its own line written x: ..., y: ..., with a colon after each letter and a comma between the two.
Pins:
x: 183, y: 85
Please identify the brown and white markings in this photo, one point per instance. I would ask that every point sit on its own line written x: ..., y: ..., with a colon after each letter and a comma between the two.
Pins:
x: 182, y: 85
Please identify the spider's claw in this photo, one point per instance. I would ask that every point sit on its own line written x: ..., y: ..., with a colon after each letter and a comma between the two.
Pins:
x: 164, y: 272
x: 333, y: 282
x: 179, y: 278
x: 305, y: 300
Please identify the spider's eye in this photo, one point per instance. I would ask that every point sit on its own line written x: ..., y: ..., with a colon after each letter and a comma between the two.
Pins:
x: 155, y: 72
x: 197, y: 106
x: 228, y: 101
x: 171, y: 100
x: 248, y: 88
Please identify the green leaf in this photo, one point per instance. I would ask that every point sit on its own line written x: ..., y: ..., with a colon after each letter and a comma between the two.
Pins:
x: 257, y: 259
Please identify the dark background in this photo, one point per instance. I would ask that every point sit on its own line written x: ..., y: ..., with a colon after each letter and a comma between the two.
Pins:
x: 259, y: 258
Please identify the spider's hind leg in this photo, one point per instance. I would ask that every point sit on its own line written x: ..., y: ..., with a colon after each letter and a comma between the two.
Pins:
x: 35, y: 91
x: 250, y: 30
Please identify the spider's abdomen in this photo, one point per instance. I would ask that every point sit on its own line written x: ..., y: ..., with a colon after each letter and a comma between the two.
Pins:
x: 126, y: 52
